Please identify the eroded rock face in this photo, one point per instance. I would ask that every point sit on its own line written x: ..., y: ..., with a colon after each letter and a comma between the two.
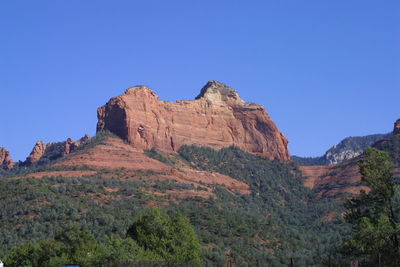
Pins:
x: 54, y: 150
x: 37, y: 152
x: 334, y: 158
x: 6, y: 161
x: 217, y: 118
x: 396, y: 130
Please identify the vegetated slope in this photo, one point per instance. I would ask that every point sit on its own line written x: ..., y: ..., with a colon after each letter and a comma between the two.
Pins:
x: 346, y: 149
x: 275, y: 219
x: 108, y: 152
x: 392, y: 146
x: 338, y: 181
x: 299, y: 221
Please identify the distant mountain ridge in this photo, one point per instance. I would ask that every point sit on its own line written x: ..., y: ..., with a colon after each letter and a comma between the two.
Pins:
x: 343, y: 179
x: 346, y: 149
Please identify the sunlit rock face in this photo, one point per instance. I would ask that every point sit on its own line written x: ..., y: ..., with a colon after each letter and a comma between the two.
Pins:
x: 217, y: 118
x: 6, y: 161
x: 54, y: 150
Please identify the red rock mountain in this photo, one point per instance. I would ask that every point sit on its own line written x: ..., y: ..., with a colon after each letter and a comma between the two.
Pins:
x: 218, y: 117
x: 5, y: 159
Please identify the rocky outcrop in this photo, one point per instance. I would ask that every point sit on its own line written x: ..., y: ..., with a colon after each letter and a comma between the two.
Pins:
x: 396, y: 129
x: 346, y: 149
x: 6, y: 161
x: 70, y: 145
x: 54, y: 150
x: 37, y: 152
x: 342, y: 155
x: 217, y: 118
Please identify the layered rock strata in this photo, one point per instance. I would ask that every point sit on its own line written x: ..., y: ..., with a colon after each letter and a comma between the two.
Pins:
x: 217, y: 118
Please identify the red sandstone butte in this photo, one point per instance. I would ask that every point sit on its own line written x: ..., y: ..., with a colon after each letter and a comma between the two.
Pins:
x: 217, y: 118
x: 5, y: 159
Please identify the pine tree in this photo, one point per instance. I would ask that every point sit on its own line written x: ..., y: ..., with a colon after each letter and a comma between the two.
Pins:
x: 375, y: 235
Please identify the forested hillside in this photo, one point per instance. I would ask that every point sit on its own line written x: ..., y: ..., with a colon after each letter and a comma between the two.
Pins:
x: 277, y: 220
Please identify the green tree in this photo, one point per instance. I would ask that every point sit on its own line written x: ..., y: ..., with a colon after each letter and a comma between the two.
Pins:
x: 372, y: 215
x: 81, y: 247
x: 171, y: 237
x: 43, y: 253
x: 127, y: 250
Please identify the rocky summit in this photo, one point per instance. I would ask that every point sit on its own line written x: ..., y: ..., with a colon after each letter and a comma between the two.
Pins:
x: 6, y: 161
x: 217, y: 118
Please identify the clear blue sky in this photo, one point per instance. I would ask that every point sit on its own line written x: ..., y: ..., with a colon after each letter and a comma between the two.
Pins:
x: 324, y: 70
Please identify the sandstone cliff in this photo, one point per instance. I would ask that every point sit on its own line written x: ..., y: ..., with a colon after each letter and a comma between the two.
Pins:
x: 6, y: 161
x: 218, y: 117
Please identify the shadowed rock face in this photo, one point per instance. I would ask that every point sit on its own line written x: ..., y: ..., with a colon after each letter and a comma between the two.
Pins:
x: 396, y: 130
x: 217, y: 118
x: 6, y: 161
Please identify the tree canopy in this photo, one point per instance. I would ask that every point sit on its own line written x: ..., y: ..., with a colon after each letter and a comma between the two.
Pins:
x: 156, y: 237
x: 372, y: 215
x: 170, y: 236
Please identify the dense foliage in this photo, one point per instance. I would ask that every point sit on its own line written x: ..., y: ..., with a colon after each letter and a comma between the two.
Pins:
x: 374, y: 215
x: 171, y: 237
x: 292, y: 219
x: 309, y: 161
x: 392, y: 146
x: 72, y: 245
x: 280, y: 219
